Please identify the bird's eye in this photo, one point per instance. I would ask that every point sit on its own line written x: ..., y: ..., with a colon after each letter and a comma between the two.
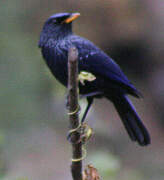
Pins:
x: 62, y: 19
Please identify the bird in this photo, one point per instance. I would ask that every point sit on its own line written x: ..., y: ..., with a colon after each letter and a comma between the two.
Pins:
x: 101, y: 76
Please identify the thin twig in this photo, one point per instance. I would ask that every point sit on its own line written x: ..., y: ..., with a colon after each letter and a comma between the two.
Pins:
x: 76, y: 167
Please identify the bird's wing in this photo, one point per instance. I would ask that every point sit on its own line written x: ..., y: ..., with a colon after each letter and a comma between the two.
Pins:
x: 97, y: 62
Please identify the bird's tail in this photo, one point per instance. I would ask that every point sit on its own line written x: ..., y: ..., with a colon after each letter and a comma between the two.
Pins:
x: 131, y: 120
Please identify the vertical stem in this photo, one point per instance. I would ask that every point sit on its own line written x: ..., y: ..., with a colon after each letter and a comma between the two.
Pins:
x: 76, y: 167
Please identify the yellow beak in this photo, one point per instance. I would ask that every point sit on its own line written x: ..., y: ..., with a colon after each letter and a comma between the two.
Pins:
x: 72, y: 17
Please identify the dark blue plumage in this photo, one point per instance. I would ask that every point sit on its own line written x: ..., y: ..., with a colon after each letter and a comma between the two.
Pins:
x: 56, y: 39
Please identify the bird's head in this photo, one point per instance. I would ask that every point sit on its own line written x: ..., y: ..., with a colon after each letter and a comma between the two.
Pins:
x: 57, y: 27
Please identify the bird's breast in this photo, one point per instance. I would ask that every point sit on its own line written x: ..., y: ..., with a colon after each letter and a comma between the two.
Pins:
x: 56, y: 60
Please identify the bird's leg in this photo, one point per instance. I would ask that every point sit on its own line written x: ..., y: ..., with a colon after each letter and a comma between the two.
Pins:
x: 89, y: 101
x: 86, y: 131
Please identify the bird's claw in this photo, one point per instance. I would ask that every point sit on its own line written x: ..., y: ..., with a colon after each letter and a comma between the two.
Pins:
x: 85, y: 133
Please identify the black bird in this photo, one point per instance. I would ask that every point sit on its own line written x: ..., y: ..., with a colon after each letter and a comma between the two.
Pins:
x: 101, y: 76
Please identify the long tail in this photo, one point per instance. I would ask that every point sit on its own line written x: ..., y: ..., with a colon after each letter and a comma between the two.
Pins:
x: 131, y: 120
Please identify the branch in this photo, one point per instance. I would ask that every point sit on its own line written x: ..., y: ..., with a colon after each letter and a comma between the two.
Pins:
x: 76, y: 167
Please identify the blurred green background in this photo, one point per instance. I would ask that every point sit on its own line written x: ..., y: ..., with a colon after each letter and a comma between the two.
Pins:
x: 33, y: 119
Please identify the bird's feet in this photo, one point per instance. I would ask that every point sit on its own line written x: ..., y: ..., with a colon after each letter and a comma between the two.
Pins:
x: 85, y: 132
